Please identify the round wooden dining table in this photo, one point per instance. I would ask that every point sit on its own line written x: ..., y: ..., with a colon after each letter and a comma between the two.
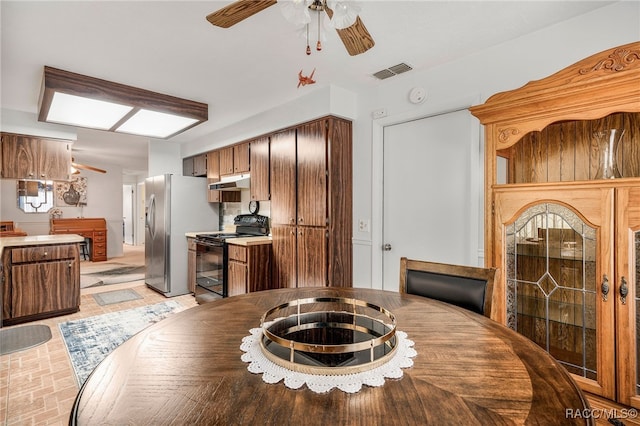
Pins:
x: 187, y: 369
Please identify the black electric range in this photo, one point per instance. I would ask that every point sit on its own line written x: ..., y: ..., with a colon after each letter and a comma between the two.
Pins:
x: 212, y: 263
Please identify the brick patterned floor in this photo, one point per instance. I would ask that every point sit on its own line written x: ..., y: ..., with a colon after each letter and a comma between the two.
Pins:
x: 37, y: 385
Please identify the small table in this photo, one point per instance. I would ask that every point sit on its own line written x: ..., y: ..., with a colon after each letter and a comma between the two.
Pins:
x: 468, y: 370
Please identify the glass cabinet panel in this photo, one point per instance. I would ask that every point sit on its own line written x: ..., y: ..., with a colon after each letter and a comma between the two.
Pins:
x: 551, y: 284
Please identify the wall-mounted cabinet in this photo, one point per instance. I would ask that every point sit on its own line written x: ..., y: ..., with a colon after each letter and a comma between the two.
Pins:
x: 564, y: 223
x: 195, y: 166
x: 213, y: 175
x: 311, y: 204
x: 31, y: 157
x: 259, y: 160
x: 234, y: 159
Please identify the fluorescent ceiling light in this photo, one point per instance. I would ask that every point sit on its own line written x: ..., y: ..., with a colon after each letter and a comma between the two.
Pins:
x: 79, y: 100
x: 155, y: 124
x: 85, y: 112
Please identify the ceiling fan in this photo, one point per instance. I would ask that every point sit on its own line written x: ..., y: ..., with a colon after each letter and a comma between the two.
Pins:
x: 78, y: 166
x: 355, y: 37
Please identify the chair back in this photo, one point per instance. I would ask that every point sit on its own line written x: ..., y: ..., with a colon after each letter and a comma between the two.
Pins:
x: 466, y: 286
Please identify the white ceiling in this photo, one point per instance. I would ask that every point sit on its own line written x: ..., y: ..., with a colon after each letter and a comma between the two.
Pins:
x: 169, y: 47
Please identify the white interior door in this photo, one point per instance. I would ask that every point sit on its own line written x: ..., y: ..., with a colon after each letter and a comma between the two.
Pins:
x: 430, y: 200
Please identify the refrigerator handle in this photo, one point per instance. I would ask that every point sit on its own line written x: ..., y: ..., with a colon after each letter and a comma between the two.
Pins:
x: 151, y: 215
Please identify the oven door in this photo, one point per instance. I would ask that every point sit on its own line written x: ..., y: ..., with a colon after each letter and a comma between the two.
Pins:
x: 211, y: 268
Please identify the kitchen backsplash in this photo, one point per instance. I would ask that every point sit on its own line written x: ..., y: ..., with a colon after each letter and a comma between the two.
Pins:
x: 229, y: 211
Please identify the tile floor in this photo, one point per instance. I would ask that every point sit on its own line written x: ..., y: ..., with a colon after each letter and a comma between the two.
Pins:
x: 37, y: 385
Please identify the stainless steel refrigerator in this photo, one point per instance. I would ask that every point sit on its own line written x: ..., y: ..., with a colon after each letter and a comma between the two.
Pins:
x: 174, y: 205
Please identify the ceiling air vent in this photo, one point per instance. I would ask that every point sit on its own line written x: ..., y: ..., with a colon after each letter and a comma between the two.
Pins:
x: 391, y: 71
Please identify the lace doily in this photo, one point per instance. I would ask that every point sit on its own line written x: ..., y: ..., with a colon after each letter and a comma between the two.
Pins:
x: 350, y: 383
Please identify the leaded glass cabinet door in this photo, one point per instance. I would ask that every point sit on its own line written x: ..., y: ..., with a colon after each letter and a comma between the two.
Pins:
x: 556, y: 248
x: 627, y: 294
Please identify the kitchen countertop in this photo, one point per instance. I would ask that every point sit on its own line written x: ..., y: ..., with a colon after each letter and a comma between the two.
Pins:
x: 250, y: 241
x: 37, y: 240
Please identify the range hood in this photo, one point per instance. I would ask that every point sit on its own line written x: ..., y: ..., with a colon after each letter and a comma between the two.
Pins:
x: 231, y: 183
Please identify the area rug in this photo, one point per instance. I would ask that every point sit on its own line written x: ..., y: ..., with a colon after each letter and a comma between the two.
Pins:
x: 90, y: 340
x: 117, y: 275
x: 116, y: 296
x: 24, y: 337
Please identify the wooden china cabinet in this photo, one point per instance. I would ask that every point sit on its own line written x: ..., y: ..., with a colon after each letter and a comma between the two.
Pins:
x: 563, y: 217
x: 311, y: 212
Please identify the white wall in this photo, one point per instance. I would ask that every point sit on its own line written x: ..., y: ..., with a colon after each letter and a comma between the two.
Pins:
x: 320, y: 102
x: 478, y: 76
x: 164, y: 157
x: 98, y: 205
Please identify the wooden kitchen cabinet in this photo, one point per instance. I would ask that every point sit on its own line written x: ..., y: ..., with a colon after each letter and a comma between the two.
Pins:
x: 200, y: 165
x: 40, y: 282
x: 191, y: 264
x: 241, y: 160
x: 566, y: 239
x: 187, y: 166
x: 195, y: 166
x: 234, y: 159
x: 31, y: 157
x: 311, y: 220
x: 226, y: 161
x: 249, y: 268
x: 213, y: 175
x: 259, y: 160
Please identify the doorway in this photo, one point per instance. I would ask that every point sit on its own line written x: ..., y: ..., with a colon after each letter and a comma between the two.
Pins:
x: 127, y: 214
x: 431, y: 192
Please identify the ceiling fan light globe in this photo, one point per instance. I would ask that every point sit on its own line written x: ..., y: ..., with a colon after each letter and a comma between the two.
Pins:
x: 344, y: 14
x: 295, y: 12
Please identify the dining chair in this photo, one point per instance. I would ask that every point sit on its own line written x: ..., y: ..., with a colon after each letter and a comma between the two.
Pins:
x: 466, y: 286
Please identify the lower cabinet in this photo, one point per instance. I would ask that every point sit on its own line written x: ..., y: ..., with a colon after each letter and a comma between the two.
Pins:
x: 40, y: 282
x: 191, y: 264
x: 249, y: 268
x: 300, y: 256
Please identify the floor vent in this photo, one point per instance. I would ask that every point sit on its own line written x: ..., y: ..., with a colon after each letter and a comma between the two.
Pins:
x: 391, y: 71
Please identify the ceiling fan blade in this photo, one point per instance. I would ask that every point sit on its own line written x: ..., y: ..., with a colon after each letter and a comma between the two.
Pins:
x: 85, y: 167
x: 356, y: 38
x: 238, y: 11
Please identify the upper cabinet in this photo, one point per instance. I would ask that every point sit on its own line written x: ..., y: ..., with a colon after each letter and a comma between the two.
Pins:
x: 200, y: 165
x: 31, y: 157
x: 241, y: 158
x: 562, y: 197
x: 226, y: 161
x: 213, y: 175
x: 234, y: 159
x: 195, y: 166
x: 259, y: 160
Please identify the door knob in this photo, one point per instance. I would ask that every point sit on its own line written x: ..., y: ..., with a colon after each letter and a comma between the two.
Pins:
x: 605, y: 288
x: 624, y: 290
x: 386, y: 247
